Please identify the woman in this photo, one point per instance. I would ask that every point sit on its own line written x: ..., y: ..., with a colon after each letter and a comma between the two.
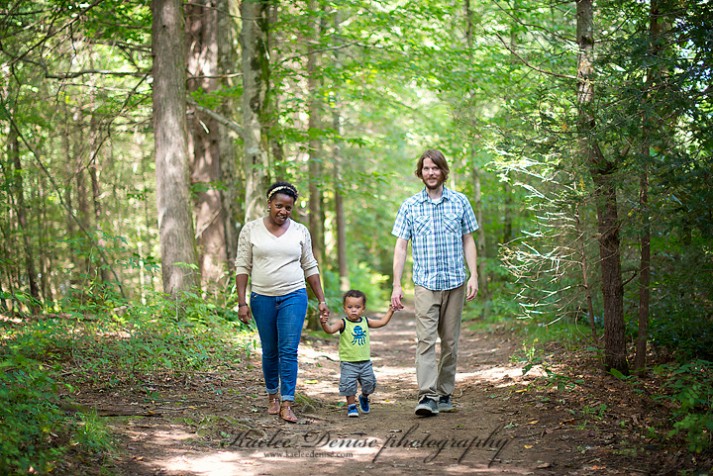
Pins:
x: 276, y: 253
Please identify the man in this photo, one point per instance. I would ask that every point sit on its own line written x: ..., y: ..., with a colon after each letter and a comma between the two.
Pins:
x: 439, y: 222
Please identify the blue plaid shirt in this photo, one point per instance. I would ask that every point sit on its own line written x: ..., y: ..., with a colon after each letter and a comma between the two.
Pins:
x: 436, y: 230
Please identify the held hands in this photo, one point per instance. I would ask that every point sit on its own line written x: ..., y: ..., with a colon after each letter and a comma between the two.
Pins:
x: 323, y: 312
x: 397, y: 296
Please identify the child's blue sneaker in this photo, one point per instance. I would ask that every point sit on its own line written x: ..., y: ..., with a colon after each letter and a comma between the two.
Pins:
x: 364, y: 403
x: 352, y: 411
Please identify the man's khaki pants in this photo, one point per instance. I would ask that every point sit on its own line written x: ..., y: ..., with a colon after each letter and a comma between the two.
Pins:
x: 438, y: 315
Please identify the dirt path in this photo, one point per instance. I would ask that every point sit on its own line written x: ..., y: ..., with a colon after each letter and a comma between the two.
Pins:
x: 209, y: 424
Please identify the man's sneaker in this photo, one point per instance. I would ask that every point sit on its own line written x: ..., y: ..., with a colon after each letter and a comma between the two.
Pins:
x: 427, y: 407
x: 445, y: 404
x: 352, y: 411
x: 364, y: 403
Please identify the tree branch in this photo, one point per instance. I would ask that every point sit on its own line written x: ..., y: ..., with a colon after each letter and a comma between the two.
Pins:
x: 535, y: 68
x: 77, y: 18
x: 76, y: 74
x: 232, y: 125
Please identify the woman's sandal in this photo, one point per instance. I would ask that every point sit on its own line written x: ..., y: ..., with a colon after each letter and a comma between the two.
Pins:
x: 286, y: 412
x: 273, y: 404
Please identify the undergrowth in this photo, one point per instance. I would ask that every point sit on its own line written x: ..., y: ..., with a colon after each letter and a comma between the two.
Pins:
x: 100, y: 343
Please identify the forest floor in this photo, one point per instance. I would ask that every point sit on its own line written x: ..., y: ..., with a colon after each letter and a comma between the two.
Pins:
x: 569, y: 418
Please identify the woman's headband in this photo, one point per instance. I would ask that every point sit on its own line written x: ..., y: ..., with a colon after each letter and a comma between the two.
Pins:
x: 282, y: 187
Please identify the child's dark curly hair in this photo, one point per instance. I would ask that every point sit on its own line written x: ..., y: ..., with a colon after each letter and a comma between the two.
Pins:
x: 354, y: 293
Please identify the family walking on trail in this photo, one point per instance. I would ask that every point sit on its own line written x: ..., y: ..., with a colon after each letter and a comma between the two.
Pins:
x: 275, y: 255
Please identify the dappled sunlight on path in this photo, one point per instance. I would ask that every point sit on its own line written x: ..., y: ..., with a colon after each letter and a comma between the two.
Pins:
x: 490, y: 431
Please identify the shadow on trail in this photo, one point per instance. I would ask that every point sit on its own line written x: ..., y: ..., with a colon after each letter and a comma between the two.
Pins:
x: 491, y: 431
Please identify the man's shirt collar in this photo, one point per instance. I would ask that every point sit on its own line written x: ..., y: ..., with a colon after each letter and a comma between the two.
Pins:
x: 423, y: 197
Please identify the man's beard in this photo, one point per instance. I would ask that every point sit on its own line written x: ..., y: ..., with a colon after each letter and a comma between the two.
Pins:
x: 435, y: 187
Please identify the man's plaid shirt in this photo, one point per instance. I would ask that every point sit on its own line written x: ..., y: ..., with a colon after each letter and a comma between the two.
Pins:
x: 436, y: 230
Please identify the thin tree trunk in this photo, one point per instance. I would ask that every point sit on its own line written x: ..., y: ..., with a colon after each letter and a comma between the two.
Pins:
x: 202, y: 59
x: 644, y: 274
x: 338, y: 198
x: 67, y: 150
x: 171, y: 147
x: 275, y: 141
x: 507, y: 212
x: 256, y: 76
x: 3, y: 304
x: 314, y: 106
x: 82, y: 210
x: 13, y: 152
x: 653, y: 80
x: 232, y: 182
x: 94, y: 147
x: 45, y: 248
x: 480, y: 241
x: 585, y: 273
x: 602, y: 172
x: 315, y: 143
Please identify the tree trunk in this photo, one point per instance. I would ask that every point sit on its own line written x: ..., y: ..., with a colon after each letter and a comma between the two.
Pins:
x: 45, y: 242
x: 171, y: 147
x: 67, y: 151
x: 82, y: 208
x: 232, y: 182
x: 480, y: 241
x: 256, y: 77
x: 13, y: 152
x: 94, y: 147
x: 204, y: 133
x: 585, y: 273
x: 314, y: 106
x: 654, y: 78
x: 337, y: 159
x: 507, y: 212
x: 272, y: 108
x: 605, y: 196
x: 3, y: 304
x: 644, y: 274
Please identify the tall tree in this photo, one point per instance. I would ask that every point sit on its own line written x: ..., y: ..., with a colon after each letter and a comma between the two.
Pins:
x: 477, y: 172
x: 339, y: 215
x: 315, y: 146
x: 602, y: 172
x: 314, y: 125
x: 95, y: 144
x: 13, y: 152
x: 204, y: 134
x: 652, y: 132
x: 254, y: 39
x: 178, y: 253
x: 232, y: 178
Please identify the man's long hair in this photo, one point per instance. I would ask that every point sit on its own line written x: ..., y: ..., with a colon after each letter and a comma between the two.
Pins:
x: 438, y: 158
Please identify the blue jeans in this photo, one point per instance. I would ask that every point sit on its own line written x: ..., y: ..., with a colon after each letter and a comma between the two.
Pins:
x: 279, y: 322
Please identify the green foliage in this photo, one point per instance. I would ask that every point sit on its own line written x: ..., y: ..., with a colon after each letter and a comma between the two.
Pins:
x: 690, y: 389
x: 531, y: 359
x: 376, y: 287
x: 562, y: 332
x: 532, y: 355
x: 188, y: 333
x: 32, y: 425
x: 37, y: 431
x: 106, y: 346
x: 681, y: 293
